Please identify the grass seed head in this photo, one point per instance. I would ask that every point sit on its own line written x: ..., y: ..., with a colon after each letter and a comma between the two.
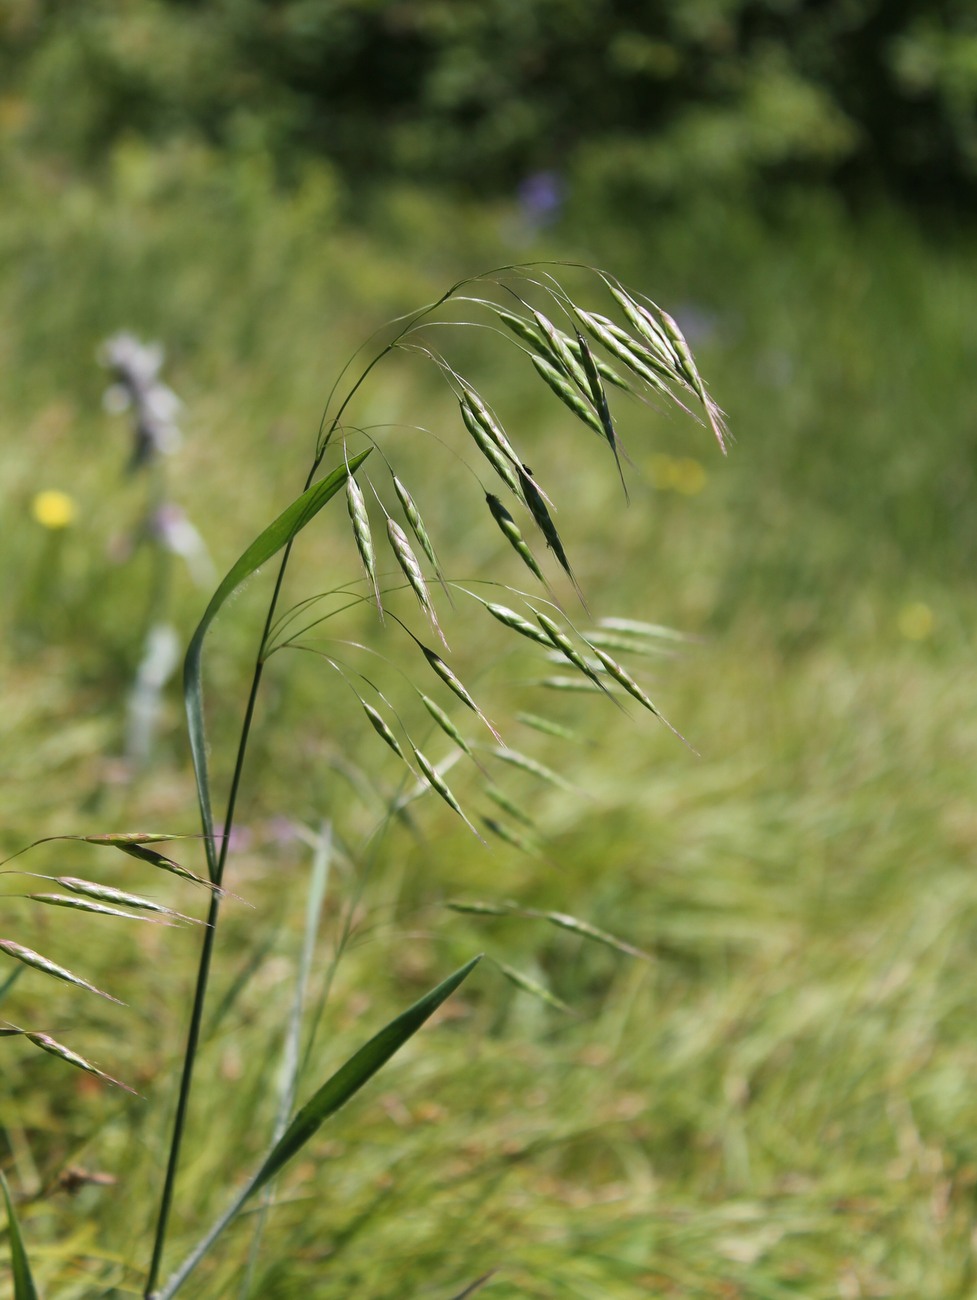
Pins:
x: 89, y: 905
x: 445, y: 723
x: 489, y: 448
x: 413, y: 517
x: 382, y: 729
x: 48, y: 1044
x: 567, y: 394
x: 544, y: 521
x: 34, y: 959
x: 440, y: 786
x: 566, y: 647
x: 360, y: 519
x: 512, y: 533
x: 452, y: 681
x: 509, y: 618
x: 412, y: 571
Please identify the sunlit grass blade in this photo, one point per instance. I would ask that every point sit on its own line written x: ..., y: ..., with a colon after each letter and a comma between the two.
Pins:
x: 277, y: 535
x: 334, y: 1093
x: 357, y: 1071
x: 24, y: 1288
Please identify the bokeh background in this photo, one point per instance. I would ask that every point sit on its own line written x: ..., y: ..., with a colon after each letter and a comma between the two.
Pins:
x: 779, y: 1100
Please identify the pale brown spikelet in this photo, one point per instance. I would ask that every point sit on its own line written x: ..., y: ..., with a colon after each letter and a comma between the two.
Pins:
x: 48, y: 1044
x: 109, y: 894
x: 34, y: 959
x: 89, y: 905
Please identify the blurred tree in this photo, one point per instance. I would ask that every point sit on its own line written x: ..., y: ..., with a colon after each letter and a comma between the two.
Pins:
x: 641, y: 96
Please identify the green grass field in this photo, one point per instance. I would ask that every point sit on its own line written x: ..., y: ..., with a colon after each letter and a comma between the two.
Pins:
x: 778, y: 1100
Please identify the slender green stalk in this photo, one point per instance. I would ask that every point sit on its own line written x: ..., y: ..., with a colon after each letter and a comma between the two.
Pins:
x: 210, y: 933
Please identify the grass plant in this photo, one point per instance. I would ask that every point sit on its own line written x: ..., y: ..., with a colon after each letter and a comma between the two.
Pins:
x: 652, y: 360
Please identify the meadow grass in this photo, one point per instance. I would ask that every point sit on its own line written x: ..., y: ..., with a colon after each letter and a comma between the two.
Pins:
x: 778, y: 1102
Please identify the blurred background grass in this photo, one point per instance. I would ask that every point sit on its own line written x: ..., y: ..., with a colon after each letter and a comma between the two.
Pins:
x: 780, y: 1102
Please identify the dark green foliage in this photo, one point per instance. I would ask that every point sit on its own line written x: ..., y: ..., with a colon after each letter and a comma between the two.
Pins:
x: 644, y: 98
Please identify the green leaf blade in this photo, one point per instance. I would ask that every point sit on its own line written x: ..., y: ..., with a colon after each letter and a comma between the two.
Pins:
x: 357, y: 1071
x: 24, y: 1288
x: 276, y: 536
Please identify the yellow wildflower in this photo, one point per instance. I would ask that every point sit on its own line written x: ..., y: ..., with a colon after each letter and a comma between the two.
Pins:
x: 53, y: 509
x: 916, y: 621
